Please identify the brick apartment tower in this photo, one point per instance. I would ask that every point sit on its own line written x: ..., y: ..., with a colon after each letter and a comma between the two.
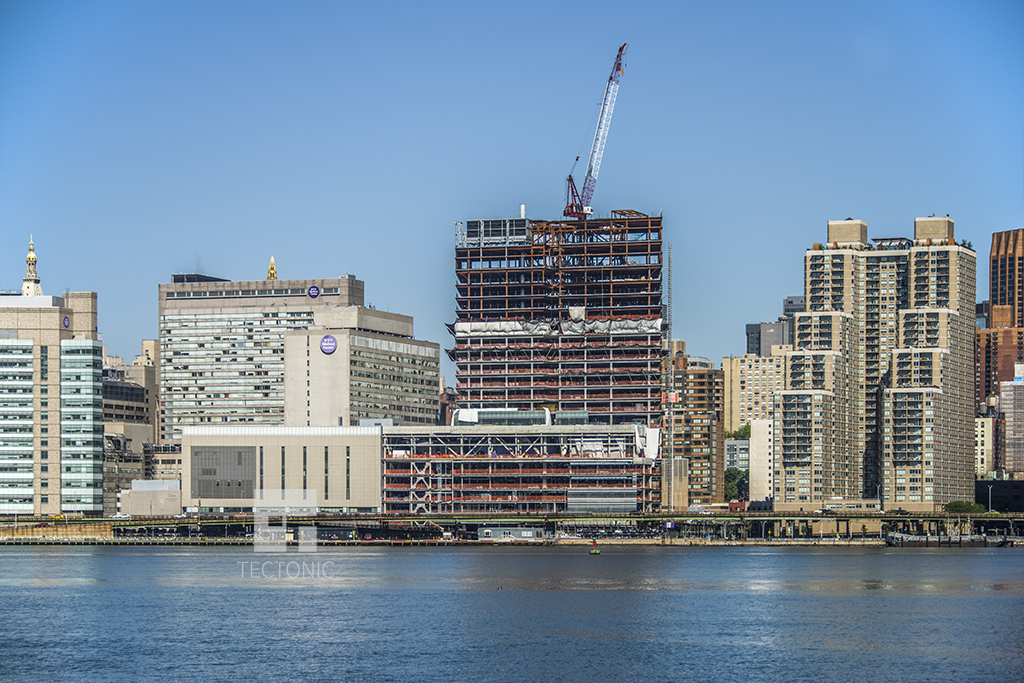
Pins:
x: 693, y: 429
x: 1002, y: 344
x: 564, y: 315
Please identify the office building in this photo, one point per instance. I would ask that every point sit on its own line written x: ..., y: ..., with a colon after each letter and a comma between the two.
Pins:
x: 360, y: 364
x: 234, y: 352
x: 51, y: 401
x: 761, y: 337
x: 879, y: 397
x: 1000, y: 340
x: 163, y: 460
x: 130, y: 399
x: 564, y: 315
x: 792, y: 305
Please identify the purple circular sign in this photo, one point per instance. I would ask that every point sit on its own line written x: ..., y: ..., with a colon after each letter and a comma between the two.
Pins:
x: 313, y: 292
x: 328, y: 344
x: 67, y: 321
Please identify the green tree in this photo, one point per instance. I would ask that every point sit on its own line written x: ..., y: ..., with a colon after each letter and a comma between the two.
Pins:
x: 736, y: 484
x: 963, y: 507
x: 741, y: 433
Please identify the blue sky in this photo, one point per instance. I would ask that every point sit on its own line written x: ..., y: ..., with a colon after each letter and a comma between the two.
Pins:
x: 142, y: 139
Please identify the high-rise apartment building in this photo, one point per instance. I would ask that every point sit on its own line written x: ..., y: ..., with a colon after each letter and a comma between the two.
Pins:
x: 564, y: 315
x: 226, y: 348
x: 51, y: 401
x: 879, y: 397
x: 750, y: 383
x: 1001, y: 345
x: 693, y: 425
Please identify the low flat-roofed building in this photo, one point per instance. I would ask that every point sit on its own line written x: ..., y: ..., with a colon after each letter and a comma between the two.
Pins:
x: 224, y: 469
x: 428, y: 469
x: 150, y: 498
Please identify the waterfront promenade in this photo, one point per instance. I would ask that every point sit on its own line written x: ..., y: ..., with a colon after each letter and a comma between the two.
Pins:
x: 725, y: 529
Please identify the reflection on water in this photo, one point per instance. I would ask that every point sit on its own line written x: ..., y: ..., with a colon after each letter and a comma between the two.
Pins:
x: 500, y: 613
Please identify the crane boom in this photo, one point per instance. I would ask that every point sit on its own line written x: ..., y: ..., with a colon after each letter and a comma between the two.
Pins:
x: 578, y: 204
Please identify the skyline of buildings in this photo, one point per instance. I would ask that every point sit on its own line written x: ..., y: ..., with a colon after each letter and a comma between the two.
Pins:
x: 889, y: 315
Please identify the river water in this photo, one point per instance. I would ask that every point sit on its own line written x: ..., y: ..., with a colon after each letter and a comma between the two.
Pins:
x: 511, y: 614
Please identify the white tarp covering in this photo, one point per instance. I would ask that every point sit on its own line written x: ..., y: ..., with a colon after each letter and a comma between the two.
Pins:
x: 540, y: 328
x: 604, y: 325
x: 504, y: 328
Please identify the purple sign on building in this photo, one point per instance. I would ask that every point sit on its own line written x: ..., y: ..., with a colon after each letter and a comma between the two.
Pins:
x: 313, y: 291
x: 328, y: 344
x: 67, y: 322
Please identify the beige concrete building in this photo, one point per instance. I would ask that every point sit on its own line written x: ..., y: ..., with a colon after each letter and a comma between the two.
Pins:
x: 130, y: 393
x: 51, y: 403
x: 223, y: 354
x: 761, y: 463
x: 226, y: 468
x: 879, y: 392
x: 148, y: 498
x: 750, y: 383
x: 359, y: 364
x: 984, y: 446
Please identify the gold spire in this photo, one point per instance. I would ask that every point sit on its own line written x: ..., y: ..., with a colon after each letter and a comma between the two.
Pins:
x: 272, y: 270
x: 30, y: 283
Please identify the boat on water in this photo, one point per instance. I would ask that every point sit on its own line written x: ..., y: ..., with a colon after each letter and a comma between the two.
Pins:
x: 901, y: 540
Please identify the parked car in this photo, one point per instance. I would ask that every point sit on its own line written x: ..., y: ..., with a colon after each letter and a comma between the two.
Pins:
x: 120, y: 515
x: 180, y: 516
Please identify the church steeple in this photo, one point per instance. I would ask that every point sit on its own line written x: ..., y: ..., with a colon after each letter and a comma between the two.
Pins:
x: 30, y: 283
x: 272, y: 270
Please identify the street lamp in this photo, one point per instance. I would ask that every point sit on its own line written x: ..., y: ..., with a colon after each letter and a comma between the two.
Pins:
x: 878, y: 496
x: 990, y: 497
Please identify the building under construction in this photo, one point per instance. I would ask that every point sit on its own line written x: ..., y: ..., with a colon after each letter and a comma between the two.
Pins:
x: 510, y: 469
x: 565, y: 315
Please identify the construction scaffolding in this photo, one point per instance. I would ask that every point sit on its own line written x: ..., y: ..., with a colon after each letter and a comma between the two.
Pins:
x: 564, y: 315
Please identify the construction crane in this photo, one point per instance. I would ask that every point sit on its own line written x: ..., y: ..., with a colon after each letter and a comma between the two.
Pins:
x: 577, y: 205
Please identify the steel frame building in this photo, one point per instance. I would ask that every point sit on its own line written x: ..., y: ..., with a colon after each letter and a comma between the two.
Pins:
x: 564, y: 315
x: 520, y: 469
